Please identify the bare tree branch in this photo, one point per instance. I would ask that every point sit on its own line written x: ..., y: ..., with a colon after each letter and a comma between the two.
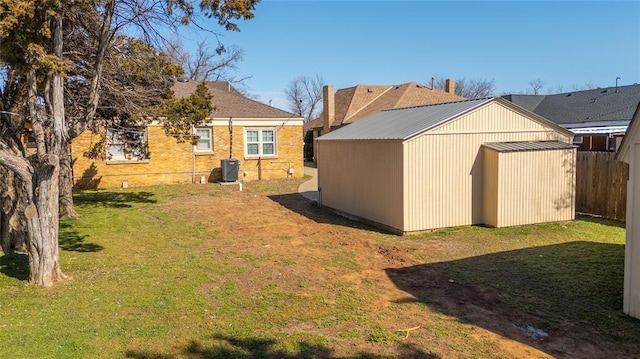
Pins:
x: 535, y: 86
x: 304, y: 95
x: 206, y: 65
x: 469, y: 88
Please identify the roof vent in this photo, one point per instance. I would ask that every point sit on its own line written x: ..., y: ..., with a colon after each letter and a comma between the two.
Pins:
x: 569, y: 94
x: 183, y: 79
x: 603, y: 91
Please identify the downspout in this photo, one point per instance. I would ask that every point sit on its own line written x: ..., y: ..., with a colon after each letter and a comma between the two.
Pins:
x: 230, y: 137
x: 193, y: 157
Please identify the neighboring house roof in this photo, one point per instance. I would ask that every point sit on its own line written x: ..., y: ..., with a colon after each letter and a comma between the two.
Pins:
x: 404, y: 123
x: 603, y: 107
x: 229, y: 102
x: 355, y: 103
x: 633, y: 132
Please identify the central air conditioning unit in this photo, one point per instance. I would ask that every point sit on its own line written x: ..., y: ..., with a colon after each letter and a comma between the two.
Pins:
x: 230, y: 167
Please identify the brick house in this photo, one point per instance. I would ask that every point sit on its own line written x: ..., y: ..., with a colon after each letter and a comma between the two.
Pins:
x: 349, y: 105
x: 267, y: 142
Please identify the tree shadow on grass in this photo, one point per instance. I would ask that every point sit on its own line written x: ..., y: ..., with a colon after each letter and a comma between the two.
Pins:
x: 71, y: 240
x: 297, y: 203
x: 112, y: 199
x: 15, y: 265
x: 243, y: 348
x: 601, y: 220
x: 560, y: 299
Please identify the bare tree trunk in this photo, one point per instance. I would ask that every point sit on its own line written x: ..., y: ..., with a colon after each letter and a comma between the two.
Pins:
x: 7, y: 203
x: 42, y: 225
x: 12, y: 225
x: 43, y: 186
x: 5, y: 241
x: 66, y: 183
x: 40, y: 187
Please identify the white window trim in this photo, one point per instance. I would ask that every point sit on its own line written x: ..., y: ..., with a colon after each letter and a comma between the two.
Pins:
x: 578, y: 139
x: 195, y: 146
x: 126, y: 157
x: 260, y: 143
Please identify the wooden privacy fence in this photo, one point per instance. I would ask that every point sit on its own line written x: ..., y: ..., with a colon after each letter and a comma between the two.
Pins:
x: 601, y: 185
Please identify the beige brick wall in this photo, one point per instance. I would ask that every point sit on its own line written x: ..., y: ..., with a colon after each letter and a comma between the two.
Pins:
x: 173, y: 162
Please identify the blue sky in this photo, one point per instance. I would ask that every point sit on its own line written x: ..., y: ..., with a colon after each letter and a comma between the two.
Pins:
x: 565, y: 44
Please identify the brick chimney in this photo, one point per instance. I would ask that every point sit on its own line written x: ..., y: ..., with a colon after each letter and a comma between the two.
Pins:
x: 450, y: 86
x: 329, y: 111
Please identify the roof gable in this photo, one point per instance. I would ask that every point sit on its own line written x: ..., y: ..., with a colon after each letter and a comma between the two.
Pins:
x: 361, y: 98
x: 360, y: 101
x: 229, y: 102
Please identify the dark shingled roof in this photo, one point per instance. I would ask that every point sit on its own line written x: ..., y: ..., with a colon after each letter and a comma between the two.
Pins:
x: 591, y: 108
x: 229, y: 102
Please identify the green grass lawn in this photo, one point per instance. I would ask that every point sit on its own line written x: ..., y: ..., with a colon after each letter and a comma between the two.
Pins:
x: 144, y: 285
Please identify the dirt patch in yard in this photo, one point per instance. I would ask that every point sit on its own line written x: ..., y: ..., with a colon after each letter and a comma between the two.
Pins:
x: 284, y: 240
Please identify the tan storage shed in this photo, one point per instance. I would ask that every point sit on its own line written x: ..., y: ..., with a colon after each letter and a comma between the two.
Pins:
x: 423, y: 167
x: 528, y: 182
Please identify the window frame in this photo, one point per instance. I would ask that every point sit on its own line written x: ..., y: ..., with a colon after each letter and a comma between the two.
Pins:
x: 260, y: 142
x: 127, y: 155
x: 578, y: 139
x: 209, y: 140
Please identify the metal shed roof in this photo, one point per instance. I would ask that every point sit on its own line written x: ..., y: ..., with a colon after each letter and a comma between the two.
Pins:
x: 524, y: 146
x: 403, y: 123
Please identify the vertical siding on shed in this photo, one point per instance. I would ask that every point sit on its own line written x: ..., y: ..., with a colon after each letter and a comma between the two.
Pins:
x: 362, y: 178
x: 492, y: 117
x: 631, y: 299
x: 444, y: 167
x: 535, y: 187
x: 490, y: 187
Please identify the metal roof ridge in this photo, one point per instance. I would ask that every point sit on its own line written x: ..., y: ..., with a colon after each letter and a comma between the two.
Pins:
x: 482, y: 103
x: 439, y: 103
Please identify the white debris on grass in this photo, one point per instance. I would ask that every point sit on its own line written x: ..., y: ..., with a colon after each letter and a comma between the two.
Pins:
x: 536, y: 333
x: 533, y: 332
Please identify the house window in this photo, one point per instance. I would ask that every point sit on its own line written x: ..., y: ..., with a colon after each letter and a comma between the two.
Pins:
x: 260, y: 142
x: 204, y: 143
x: 577, y: 140
x: 126, y: 144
